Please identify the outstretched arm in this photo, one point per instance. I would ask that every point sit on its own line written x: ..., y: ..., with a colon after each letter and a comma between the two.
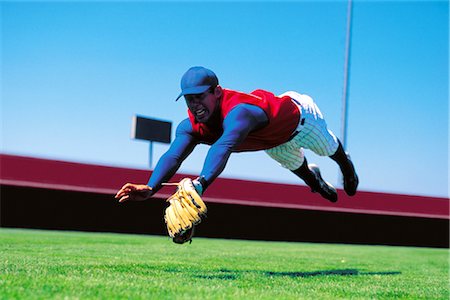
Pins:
x: 166, y: 167
x: 239, y: 122
x: 171, y: 161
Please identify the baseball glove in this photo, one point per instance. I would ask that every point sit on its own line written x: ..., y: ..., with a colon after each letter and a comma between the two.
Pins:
x: 186, y: 210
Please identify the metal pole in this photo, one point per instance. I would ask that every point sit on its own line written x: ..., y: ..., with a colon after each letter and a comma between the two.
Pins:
x: 345, y: 93
x: 150, y: 155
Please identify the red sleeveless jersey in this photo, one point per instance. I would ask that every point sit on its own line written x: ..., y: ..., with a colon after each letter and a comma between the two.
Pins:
x: 283, y: 116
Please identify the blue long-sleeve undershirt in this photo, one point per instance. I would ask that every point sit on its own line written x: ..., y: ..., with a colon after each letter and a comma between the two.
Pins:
x: 239, y: 122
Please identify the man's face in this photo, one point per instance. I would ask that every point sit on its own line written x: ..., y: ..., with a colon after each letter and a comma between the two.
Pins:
x: 202, y: 106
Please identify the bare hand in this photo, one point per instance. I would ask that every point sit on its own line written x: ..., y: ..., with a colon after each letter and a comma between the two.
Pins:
x: 134, y: 192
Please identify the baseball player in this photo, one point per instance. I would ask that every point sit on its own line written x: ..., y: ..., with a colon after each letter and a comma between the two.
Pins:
x: 232, y: 121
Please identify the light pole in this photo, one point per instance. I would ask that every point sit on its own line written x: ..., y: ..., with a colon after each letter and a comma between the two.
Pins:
x: 345, y: 93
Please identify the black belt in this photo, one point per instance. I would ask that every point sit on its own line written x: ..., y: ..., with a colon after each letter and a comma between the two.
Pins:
x: 302, y: 122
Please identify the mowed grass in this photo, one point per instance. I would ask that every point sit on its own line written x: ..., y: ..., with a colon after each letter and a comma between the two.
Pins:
x: 38, y: 264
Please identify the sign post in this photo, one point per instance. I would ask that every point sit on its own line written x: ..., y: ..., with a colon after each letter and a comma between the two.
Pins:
x: 152, y: 130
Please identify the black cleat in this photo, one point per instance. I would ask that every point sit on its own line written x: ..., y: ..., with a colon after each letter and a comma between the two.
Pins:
x: 324, y: 188
x: 351, y: 180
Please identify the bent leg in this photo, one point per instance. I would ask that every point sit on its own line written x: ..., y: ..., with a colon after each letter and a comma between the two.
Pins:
x: 316, y: 136
x: 291, y: 157
x: 351, y: 179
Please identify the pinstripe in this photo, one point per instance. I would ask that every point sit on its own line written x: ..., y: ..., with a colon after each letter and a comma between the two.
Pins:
x: 287, y: 155
x: 313, y: 135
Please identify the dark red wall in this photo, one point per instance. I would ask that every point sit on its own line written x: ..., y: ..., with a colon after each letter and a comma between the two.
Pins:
x: 48, y: 194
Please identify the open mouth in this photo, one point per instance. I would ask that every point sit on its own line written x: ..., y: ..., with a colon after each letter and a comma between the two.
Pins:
x: 200, y: 112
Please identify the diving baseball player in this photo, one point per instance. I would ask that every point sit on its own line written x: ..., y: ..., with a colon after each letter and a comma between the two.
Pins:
x: 232, y: 121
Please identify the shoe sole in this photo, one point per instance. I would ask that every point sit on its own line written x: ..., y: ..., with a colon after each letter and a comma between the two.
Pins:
x: 332, y: 198
x: 350, y: 186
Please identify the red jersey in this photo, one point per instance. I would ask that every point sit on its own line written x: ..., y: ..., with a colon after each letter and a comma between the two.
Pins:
x: 282, y: 113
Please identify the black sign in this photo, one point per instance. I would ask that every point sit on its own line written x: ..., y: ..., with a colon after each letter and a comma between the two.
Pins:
x: 151, y: 130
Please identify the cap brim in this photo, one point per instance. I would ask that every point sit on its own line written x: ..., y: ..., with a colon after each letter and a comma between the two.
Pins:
x: 193, y: 90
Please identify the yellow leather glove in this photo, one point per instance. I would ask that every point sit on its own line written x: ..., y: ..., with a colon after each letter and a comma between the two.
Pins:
x: 186, y: 210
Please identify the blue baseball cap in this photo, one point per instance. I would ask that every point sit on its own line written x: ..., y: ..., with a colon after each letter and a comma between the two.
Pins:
x: 197, y: 80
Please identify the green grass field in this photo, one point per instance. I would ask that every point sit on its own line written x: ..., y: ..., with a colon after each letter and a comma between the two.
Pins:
x: 73, y: 265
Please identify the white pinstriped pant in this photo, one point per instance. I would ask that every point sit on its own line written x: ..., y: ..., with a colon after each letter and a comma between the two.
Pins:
x: 312, y: 134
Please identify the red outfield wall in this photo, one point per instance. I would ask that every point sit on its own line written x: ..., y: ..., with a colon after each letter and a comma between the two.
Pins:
x: 68, y: 176
x: 48, y: 194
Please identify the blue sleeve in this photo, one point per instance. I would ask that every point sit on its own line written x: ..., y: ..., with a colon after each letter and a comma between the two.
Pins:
x: 239, y: 122
x: 170, y: 162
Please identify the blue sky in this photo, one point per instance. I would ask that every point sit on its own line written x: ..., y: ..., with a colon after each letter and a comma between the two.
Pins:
x: 74, y: 74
